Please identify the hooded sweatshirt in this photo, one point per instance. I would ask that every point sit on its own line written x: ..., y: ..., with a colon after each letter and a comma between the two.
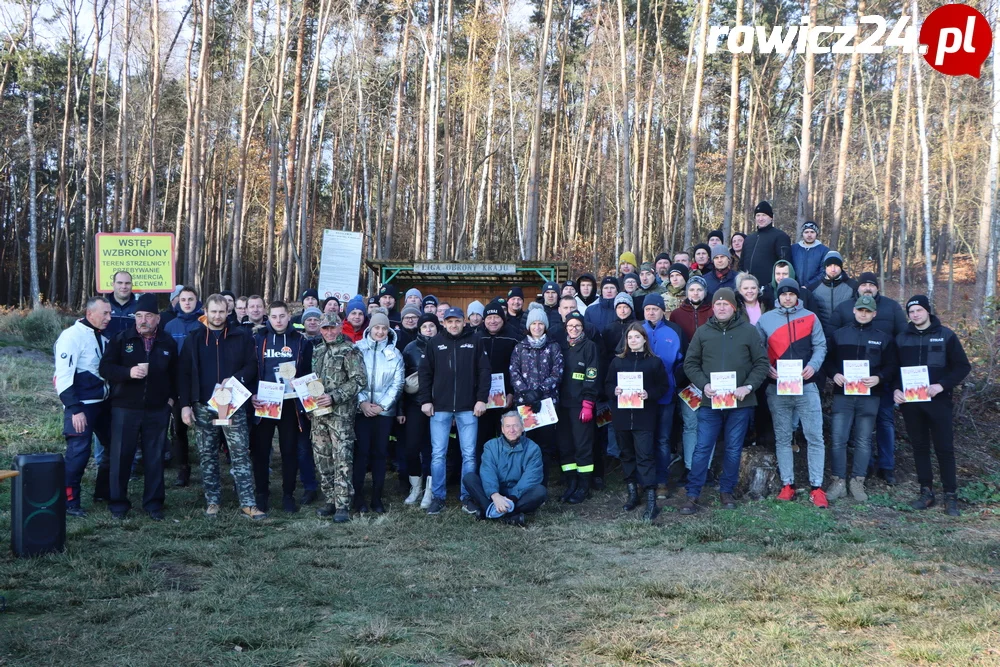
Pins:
x: 808, y: 260
x: 793, y: 333
x: 184, y: 323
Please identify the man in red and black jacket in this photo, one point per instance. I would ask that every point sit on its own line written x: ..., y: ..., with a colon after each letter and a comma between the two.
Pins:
x: 926, y: 342
x: 140, y: 363
x: 279, y: 343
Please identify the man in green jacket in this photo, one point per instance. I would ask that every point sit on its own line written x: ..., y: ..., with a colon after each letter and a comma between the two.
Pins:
x: 726, y: 352
x: 509, y: 483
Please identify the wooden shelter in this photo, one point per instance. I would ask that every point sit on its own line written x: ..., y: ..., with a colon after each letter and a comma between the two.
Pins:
x: 460, y: 283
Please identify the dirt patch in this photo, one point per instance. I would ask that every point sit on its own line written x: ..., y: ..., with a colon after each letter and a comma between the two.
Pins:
x: 16, y: 352
x: 176, y: 577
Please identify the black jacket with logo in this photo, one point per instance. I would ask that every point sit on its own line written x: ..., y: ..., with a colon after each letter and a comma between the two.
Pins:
x: 455, y: 373
x: 126, y: 350
x: 938, y: 348
x: 277, y: 348
x: 857, y: 342
x: 581, y: 368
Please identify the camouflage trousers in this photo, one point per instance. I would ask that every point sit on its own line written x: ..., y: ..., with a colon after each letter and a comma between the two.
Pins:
x: 333, y: 449
x: 238, y: 438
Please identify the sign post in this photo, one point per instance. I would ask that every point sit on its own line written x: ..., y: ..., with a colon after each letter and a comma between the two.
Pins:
x: 340, y: 264
x: 148, y: 257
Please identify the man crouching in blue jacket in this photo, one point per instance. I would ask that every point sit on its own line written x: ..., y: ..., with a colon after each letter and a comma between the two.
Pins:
x: 509, y: 483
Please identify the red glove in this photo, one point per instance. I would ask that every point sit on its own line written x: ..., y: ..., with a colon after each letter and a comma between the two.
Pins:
x: 587, y: 411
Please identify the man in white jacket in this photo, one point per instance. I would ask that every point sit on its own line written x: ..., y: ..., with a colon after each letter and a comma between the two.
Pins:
x: 84, y: 394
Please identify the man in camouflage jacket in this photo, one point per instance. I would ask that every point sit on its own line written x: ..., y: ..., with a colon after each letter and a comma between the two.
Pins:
x: 339, y: 366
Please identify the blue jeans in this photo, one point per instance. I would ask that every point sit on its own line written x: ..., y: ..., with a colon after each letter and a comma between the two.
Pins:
x: 859, y: 412
x: 468, y: 430
x: 689, y: 435
x: 661, y: 442
x: 613, y: 449
x: 885, y: 432
x: 733, y: 423
x: 809, y: 410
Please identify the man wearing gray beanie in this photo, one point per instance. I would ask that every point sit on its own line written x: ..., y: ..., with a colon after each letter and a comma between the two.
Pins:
x: 475, y: 314
x: 413, y: 298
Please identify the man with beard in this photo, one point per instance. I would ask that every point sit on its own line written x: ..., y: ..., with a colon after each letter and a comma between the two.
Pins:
x: 766, y: 245
x: 498, y: 342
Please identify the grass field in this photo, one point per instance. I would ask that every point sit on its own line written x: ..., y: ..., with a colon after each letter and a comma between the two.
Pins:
x: 767, y: 584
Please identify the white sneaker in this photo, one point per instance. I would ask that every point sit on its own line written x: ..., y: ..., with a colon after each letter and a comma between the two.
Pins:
x: 428, y: 495
x: 416, y: 490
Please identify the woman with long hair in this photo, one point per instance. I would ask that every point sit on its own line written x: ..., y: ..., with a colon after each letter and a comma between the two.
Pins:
x: 748, y: 294
x: 417, y: 425
x: 635, y: 426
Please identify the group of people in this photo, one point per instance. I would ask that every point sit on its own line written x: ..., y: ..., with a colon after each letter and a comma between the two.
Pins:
x: 423, y: 374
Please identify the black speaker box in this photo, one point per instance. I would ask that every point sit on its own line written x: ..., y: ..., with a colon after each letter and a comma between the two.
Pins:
x: 38, y: 505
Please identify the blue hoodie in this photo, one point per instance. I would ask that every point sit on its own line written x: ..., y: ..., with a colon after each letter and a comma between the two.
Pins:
x: 183, y: 324
x: 808, y: 261
x: 665, y: 341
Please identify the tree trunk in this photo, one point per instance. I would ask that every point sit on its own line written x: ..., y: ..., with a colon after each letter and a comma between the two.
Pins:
x: 534, y: 159
x: 845, y: 143
x: 925, y: 171
x: 985, y: 269
x: 29, y: 127
x: 732, y: 134
x: 693, y: 127
x: 805, y: 140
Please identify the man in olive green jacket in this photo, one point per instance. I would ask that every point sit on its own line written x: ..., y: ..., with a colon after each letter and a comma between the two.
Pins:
x: 727, y: 352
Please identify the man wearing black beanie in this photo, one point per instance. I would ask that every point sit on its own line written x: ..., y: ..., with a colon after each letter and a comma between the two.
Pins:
x: 765, y: 246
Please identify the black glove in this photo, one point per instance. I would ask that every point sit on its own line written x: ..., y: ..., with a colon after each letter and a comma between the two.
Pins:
x: 531, y: 397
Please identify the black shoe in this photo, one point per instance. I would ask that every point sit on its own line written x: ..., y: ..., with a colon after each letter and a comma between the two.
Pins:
x: 342, y: 516
x: 889, y: 476
x: 183, y: 476
x: 582, y: 489
x: 690, y: 506
x: 377, y: 506
x: 684, y: 477
x: 288, y: 504
x: 326, y: 510
x: 156, y: 515
x: 469, y: 507
x: 924, y: 500
x: 437, y: 505
x: 571, y: 484
x: 515, y: 519
x: 263, y: 502
x: 100, y: 499
x: 651, y: 509
x: 597, y: 484
x: 633, y: 497
x: 308, y: 497
x: 951, y: 504
x: 76, y: 511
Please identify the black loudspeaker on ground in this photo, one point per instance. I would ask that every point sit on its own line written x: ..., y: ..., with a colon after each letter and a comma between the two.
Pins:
x: 38, y: 505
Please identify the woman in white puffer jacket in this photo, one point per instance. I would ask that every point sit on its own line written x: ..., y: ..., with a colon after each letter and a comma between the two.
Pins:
x: 377, y: 405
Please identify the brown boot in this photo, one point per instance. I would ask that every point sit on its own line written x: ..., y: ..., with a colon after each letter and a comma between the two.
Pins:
x: 727, y: 501
x: 690, y: 506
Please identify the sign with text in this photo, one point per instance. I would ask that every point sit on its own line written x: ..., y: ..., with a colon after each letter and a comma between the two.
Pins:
x: 340, y: 264
x: 464, y: 267
x: 148, y: 257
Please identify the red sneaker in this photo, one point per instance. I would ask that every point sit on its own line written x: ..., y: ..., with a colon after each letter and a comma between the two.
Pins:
x: 819, y: 498
x: 787, y: 493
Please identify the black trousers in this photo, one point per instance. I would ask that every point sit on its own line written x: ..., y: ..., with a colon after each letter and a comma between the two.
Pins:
x: 637, y: 456
x: 489, y: 428
x: 576, y: 441
x: 417, y: 433
x: 288, y: 445
x: 529, y: 501
x: 371, y: 446
x: 927, y: 422
x: 182, y: 455
x: 545, y: 437
x: 131, y: 429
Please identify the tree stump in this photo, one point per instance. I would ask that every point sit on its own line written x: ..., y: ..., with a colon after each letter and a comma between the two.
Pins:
x: 758, y: 473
